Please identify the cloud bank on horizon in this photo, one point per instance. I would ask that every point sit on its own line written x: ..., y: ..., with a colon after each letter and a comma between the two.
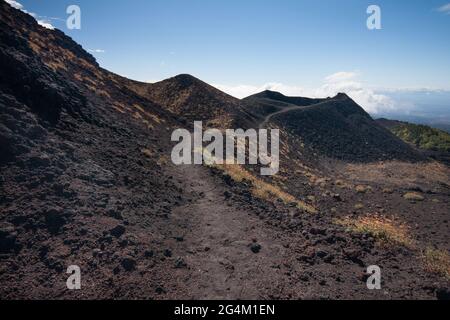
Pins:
x: 410, y: 102
x: 348, y: 82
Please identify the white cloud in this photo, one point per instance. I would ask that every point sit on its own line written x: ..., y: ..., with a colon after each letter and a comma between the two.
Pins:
x: 43, y: 22
x: 347, y: 82
x: 14, y: 4
x: 96, y: 50
x: 341, y: 76
x: 46, y: 24
x: 445, y: 8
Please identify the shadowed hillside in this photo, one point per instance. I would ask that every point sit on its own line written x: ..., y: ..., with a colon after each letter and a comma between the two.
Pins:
x: 267, y: 102
x: 337, y: 128
x: 81, y: 162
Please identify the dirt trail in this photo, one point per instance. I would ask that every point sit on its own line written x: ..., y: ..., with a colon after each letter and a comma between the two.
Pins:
x: 287, y: 109
x: 217, y: 245
x: 220, y: 262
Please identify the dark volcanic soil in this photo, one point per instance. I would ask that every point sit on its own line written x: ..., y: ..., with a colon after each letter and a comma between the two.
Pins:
x: 86, y: 179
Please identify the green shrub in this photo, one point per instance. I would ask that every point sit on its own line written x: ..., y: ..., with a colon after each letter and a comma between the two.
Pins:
x: 423, y: 137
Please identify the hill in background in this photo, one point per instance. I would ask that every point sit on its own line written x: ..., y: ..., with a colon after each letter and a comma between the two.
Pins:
x: 191, y: 99
x: 334, y: 127
x: 422, y: 136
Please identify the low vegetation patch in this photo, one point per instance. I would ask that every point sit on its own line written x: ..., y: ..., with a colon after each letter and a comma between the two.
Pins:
x: 147, y: 152
x: 362, y: 189
x: 423, y: 137
x: 413, y: 196
x: 437, y: 261
x: 263, y: 190
x: 163, y: 161
x: 385, y: 230
x: 359, y: 206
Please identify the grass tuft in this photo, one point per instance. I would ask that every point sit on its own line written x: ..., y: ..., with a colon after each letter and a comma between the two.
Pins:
x: 437, y: 261
x: 413, y: 196
x: 385, y: 230
x: 362, y: 189
x: 263, y: 190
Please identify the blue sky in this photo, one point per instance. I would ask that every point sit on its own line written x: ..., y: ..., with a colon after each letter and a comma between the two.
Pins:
x: 293, y: 45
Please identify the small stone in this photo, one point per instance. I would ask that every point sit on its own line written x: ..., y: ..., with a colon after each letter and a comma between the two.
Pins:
x: 443, y: 294
x: 42, y: 160
x: 316, y: 231
x: 117, y: 231
x: 111, y: 212
x: 128, y: 263
x: 123, y: 243
x: 55, y: 219
x: 255, y: 247
x: 180, y: 263
x: 321, y: 254
x: 96, y: 252
x: 304, y: 278
x: 160, y: 290
x: 168, y: 253
x: 149, y: 253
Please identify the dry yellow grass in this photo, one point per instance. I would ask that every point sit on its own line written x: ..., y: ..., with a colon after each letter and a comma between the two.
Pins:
x: 385, y: 230
x: 97, y: 90
x: 437, y: 261
x: 390, y: 232
x: 262, y: 189
x: 413, y: 196
x: 362, y: 189
x: 163, y: 161
x: 150, y: 115
x: 359, y: 206
x: 147, y: 152
x: 339, y: 183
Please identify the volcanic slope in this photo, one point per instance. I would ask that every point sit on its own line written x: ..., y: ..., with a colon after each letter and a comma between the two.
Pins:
x: 334, y: 127
x: 83, y: 176
x: 194, y: 100
x: 87, y: 180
